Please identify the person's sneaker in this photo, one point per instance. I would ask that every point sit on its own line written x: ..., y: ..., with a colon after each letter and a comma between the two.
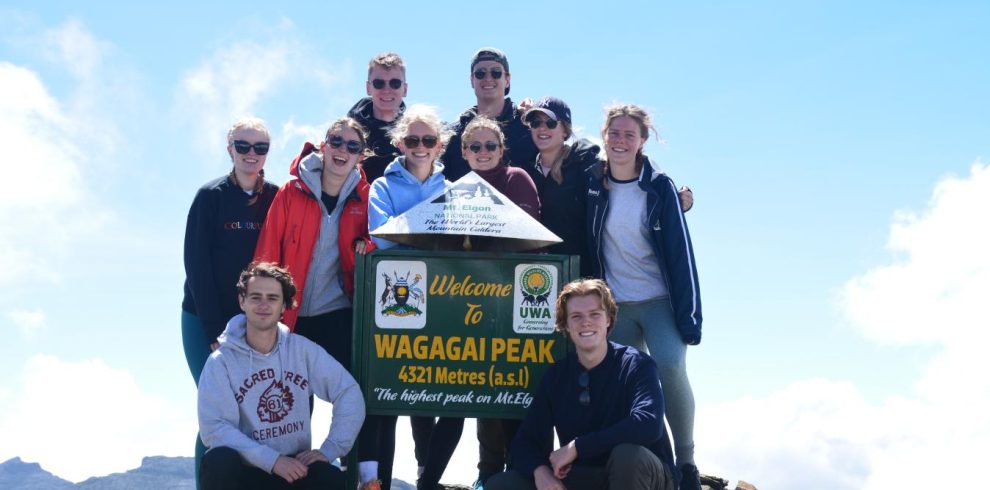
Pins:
x: 479, y: 484
x: 371, y: 485
x: 690, y: 478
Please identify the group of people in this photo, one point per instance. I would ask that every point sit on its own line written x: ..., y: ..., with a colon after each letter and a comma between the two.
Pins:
x: 260, y: 350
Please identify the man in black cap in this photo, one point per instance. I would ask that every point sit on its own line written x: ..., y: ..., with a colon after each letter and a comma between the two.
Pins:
x: 490, y: 79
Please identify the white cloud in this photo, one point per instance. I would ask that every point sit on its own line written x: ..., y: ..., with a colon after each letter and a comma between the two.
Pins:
x: 935, y: 290
x: 823, y: 434
x: 233, y: 81
x: 54, y: 203
x: 295, y: 132
x: 27, y: 321
x: 104, y: 91
x: 37, y: 137
x: 813, y: 434
x: 80, y: 419
x: 77, y: 50
x: 228, y: 85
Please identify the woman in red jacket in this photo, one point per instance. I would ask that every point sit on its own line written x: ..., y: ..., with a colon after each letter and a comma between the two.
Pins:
x: 316, y: 224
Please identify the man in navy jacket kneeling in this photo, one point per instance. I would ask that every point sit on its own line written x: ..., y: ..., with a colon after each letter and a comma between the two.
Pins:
x: 605, y: 402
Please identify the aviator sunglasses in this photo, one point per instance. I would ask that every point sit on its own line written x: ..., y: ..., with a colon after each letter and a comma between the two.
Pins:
x: 379, y: 83
x: 534, y: 123
x: 584, y: 398
x: 480, y: 73
x: 243, y: 147
x: 413, y: 141
x: 353, y: 146
x: 489, y: 145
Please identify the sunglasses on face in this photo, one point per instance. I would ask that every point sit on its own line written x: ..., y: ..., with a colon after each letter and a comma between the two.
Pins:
x: 352, y: 146
x: 243, y: 147
x: 584, y: 398
x: 379, y: 83
x: 534, y: 123
x: 413, y: 141
x: 480, y: 73
x: 489, y: 145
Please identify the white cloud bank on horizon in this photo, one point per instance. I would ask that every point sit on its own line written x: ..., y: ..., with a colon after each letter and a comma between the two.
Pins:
x: 83, y: 419
x: 823, y: 433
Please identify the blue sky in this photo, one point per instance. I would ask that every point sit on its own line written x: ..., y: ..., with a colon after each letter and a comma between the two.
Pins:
x: 838, y: 152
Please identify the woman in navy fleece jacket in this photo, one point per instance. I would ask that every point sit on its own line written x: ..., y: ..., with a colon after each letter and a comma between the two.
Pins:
x: 640, y: 245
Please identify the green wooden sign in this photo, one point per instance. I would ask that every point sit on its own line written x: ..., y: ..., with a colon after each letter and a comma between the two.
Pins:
x: 456, y: 333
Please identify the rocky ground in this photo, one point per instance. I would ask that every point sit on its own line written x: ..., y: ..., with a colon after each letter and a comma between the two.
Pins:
x: 177, y: 473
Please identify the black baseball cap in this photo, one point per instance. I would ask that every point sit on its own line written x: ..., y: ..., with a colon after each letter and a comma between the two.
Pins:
x: 553, y: 107
x: 491, y: 54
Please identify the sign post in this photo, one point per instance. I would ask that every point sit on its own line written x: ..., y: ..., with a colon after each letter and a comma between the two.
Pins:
x: 464, y: 334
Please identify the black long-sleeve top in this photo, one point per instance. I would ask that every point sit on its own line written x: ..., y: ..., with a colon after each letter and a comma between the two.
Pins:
x: 221, y: 233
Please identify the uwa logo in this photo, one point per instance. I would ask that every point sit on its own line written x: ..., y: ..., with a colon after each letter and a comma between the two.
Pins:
x: 536, y: 293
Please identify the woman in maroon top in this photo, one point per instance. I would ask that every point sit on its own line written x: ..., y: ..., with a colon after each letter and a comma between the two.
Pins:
x: 483, y: 146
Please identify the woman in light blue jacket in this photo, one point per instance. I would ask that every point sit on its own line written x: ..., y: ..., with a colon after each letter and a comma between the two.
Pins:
x: 413, y: 177
x: 409, y: 180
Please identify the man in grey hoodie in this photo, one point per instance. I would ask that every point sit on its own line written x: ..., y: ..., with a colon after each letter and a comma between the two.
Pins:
x: 254, y: 413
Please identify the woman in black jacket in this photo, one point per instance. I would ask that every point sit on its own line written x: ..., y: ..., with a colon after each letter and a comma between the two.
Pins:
x: 559, y: 174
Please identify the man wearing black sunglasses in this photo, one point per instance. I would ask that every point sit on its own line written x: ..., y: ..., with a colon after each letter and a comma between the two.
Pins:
x: 490, y: 79
x: 386, y: 87
x: 604, y: 402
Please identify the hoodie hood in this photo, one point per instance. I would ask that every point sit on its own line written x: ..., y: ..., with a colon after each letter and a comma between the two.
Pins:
x: 311, y: 173
x: 235, y: 336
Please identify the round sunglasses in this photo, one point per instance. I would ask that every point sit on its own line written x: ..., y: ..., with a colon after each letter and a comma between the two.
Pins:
x: 353, y: 146
x: 481, y: 72
x: 412, y: 142
x: 394, y: 83
x: 535, y: 122
x: 489, y: 145
x: 243, y: 147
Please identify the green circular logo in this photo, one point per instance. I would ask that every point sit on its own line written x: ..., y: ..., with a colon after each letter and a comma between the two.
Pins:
x: 535, y: 281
